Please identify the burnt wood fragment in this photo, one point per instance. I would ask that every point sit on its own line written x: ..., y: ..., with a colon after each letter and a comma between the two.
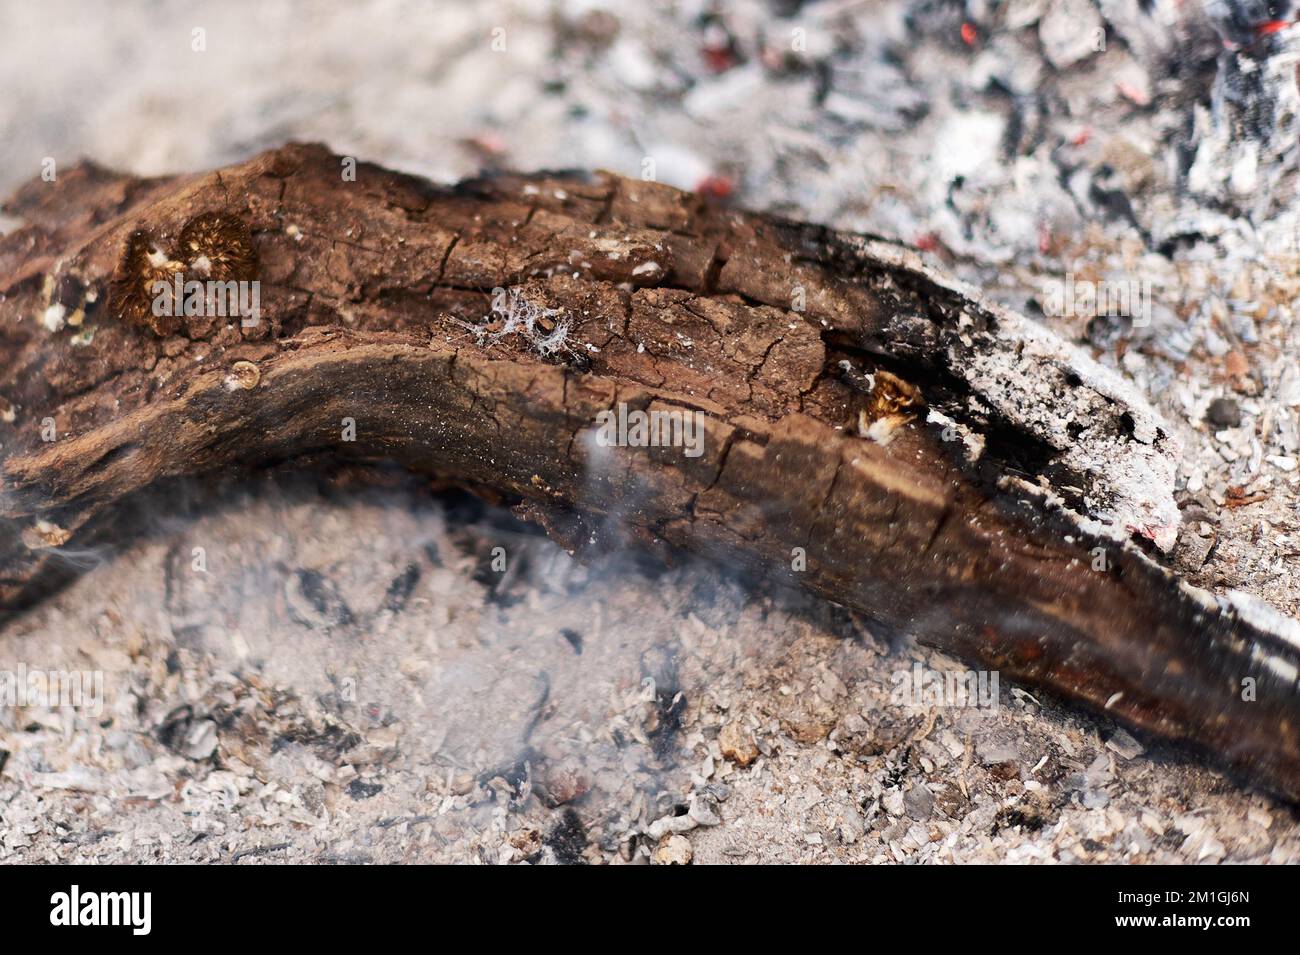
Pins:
x: 870, y: 429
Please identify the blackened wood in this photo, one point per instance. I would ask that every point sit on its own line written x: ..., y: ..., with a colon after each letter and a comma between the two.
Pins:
x: 872, y: 430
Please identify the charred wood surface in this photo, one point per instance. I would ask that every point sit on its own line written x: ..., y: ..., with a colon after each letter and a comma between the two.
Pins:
x: 871, y: 430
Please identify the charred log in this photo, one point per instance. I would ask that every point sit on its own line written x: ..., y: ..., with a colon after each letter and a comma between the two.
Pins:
x: 867, y: 428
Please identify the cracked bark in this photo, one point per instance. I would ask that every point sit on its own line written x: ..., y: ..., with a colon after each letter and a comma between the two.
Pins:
x: 1002, y: 468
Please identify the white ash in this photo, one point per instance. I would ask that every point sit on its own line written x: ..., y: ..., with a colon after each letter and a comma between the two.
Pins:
x: 54, y: 317
x: 1046, y: 385
x: 545, y: 329
x: 232, y: 732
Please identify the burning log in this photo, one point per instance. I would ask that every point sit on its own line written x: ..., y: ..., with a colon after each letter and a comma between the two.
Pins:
x: 612, y: 354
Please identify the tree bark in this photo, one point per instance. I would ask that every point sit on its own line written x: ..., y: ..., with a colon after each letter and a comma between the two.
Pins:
x: 871, y: 430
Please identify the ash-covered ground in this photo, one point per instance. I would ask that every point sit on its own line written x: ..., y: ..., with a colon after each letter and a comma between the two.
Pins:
x: 295, y: 672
